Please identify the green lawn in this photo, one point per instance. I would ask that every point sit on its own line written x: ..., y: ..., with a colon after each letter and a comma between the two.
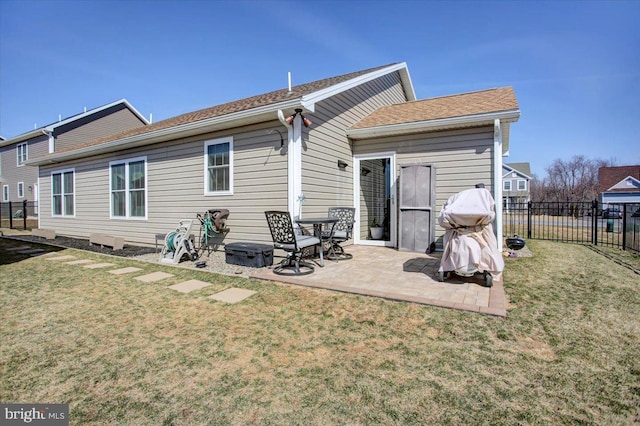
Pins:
x: 124, y: 352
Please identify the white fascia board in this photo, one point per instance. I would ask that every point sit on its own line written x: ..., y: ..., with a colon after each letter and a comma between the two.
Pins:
x: 246, y: 117
x: 23, y: 137
x: 430, y: 125
x: 309, y: 101
x: 620, y: 184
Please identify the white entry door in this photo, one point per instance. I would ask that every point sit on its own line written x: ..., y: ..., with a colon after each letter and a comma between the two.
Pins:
x: 375, y: 199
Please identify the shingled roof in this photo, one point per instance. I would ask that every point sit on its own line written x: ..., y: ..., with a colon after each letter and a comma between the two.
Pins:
x: 465, y: 104
x: 265, y: 99
x: 610, y: 176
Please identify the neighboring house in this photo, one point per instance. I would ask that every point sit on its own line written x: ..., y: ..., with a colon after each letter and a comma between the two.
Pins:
x: 516, y: 179
x: 367, y: 132
x: 619, y: 184
x: 20, y: 182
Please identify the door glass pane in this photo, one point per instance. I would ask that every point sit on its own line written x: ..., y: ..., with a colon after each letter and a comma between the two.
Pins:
x: 375, y: 199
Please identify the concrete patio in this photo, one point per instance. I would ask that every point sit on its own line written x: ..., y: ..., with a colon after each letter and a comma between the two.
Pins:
x: 405, y: 276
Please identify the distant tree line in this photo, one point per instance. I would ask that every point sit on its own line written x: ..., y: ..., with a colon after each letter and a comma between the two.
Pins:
x: 569, y: 180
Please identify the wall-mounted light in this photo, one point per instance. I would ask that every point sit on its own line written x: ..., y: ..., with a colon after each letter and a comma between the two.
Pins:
x: 305, y: 120
x: 342, y: 165
x: 29, y: 188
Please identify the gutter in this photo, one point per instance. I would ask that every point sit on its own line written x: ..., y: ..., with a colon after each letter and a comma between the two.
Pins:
x: 427, y: 125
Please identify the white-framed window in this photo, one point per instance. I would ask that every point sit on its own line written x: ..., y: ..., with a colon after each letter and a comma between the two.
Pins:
x: 21, y: 153
x: 5, y: 193
x: 128, y: 188
x: 522, y: 185
x: 506, y: 185
x: 63, y: 193
x: 218, y: 166
x: 20, y: 189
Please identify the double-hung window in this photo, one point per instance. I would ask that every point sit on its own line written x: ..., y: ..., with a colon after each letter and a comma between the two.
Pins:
x: 522, y: 185
x: 20, y: 189
x: 21, y: 151
x: 506, y: 185
x: 5, y: 193
x: 128, y: 188
x: 63, y: 193
x: 218, y: 167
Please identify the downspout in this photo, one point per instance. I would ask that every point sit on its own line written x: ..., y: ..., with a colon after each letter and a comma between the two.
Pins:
x: 52, y: 146
x: 497, y: 178
x: 294, y: 161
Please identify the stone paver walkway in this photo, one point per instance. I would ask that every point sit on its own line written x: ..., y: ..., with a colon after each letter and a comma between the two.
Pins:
x: 153, y: 277
x: 122, y: 271
x: 98, y: 265
x: 60, y: 258
x: 232, y: 295
x: 188, y: 286
x: 79, y: 262
x: 392, y: 274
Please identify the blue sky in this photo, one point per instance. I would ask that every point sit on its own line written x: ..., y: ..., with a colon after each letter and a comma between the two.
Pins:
x: 574, y: 65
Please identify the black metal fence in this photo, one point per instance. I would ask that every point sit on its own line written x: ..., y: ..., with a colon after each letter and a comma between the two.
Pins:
x: 617, y: 225
x: 19, y: 215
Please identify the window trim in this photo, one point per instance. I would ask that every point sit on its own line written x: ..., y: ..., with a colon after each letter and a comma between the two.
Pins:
x: 525, y: 184
x: 18, y: 153
x: 505, y: 184
x: 5, y: 193
x: 61, y: 173
x: 207, y: 144
x: 20, y: 189
x: 127, y: 208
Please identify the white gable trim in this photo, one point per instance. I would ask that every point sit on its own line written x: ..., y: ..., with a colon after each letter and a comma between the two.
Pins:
x: 309, y: 101
x: 635, y: 184
x: 511, y: 170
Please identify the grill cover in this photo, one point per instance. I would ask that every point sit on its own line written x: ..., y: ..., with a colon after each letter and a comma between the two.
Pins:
x: 469, y: 241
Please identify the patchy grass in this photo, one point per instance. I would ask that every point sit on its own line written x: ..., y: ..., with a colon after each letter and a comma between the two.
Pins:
x: 121, y: 351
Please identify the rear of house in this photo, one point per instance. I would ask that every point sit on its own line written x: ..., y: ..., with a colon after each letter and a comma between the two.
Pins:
x: 243, y: 156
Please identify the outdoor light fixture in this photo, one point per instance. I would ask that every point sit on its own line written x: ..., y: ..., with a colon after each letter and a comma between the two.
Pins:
x: 305, y: 120
x: 342, y: 165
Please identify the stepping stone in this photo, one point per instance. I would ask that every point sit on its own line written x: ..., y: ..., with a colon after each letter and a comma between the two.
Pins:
x: 154, y: 276
x: 32, y: 251
x: 66, y: 257
x: 232, y: 295
x: 98, y: 265
x: 18, y: 248
x: 124, y: 270
x: 79, y: 262
x: 187, y: 286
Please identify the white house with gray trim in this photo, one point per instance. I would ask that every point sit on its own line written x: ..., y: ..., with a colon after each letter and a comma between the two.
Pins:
x: 368, y: 132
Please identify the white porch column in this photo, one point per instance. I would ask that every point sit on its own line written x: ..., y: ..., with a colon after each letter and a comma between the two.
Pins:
x: 497, y: 178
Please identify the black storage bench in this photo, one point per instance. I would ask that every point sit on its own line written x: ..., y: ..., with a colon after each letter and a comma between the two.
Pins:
x: 249, y: 254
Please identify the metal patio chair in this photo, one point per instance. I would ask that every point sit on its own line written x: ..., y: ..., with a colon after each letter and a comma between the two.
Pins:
x: 341, y: 232
x: 285, y: 238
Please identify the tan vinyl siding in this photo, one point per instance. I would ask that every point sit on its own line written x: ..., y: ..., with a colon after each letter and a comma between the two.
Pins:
x: 113, y: 120
x: 462, y: 158
x: 323, y: 183
x: 175, y: 188
x: 12, y: 173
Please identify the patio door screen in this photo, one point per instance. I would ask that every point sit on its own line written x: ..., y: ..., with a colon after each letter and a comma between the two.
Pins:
x: 375, y: 199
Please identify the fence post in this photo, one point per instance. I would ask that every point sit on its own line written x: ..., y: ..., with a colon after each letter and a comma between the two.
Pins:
x: 24, y: 215
x: 624, y: 226
x: 529, y: 220
x: 10, y: 216
x: 594, y: 222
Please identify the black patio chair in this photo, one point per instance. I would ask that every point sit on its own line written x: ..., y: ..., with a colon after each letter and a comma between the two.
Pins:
x: 285, y: 238
x: 341, y: 232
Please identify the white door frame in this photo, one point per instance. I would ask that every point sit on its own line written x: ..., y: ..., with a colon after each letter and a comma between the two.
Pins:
x: 392, y: 242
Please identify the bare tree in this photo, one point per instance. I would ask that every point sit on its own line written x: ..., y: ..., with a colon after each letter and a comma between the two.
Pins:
x: 569, y: 181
